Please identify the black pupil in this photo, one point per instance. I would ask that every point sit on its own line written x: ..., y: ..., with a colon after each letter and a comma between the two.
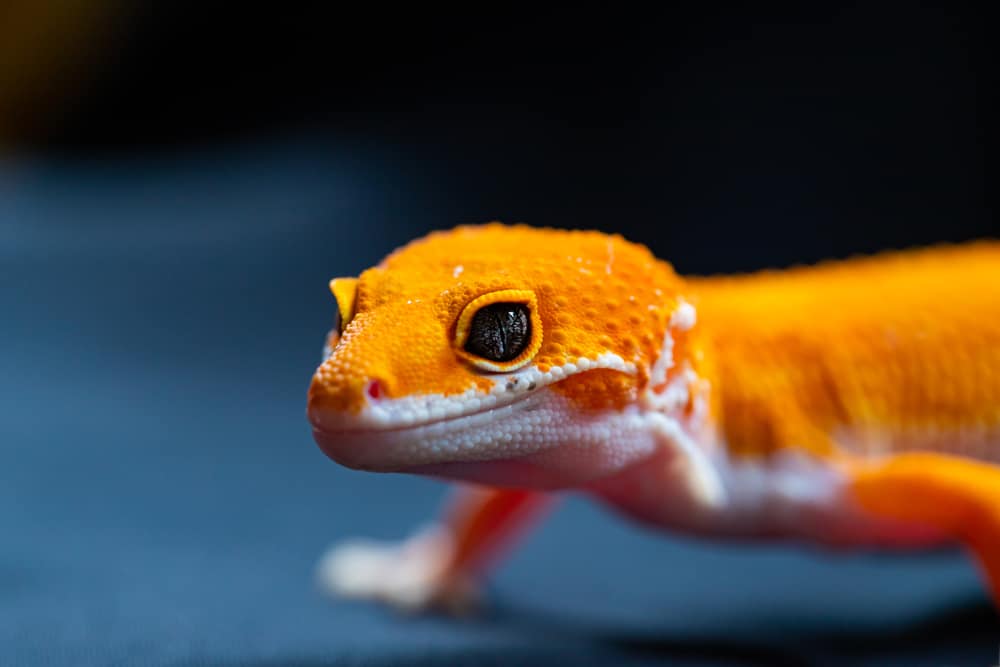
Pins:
x: 499, y: 331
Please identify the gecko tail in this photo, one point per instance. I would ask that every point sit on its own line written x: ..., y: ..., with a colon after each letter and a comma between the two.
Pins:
x: 960, y: 497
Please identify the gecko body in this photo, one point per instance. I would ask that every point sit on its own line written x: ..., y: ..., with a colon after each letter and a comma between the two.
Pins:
x: 850, y: 403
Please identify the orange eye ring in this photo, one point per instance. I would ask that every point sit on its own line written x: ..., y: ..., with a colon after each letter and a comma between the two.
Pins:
x: 463, y: 328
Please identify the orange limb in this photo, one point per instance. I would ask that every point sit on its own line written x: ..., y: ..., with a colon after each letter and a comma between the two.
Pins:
x: 960, y: 497
x: 436, y: 567
x: 484, y: 522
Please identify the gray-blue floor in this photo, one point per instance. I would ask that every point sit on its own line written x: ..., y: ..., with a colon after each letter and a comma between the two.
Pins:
x: 162, y: 502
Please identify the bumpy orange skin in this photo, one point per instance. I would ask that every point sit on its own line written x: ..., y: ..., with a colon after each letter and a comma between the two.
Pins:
x: 862, y: 357
x: 598, y: 294
x: 885, y: 370
x: 896, y: 352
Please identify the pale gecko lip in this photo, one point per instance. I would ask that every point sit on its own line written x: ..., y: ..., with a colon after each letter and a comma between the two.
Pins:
x: 333, y: 422
x: 318, y: 427
x: 512, y: 392
x: 376, y: 448
x: 497, y: 409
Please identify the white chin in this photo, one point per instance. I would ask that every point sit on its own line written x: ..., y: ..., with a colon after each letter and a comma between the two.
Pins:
x: 541, y: 441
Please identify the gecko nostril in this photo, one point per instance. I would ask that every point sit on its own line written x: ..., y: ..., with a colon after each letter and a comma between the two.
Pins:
x: 374, y: 390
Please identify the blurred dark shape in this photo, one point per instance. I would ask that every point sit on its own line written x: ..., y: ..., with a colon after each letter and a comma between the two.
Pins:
x: 762, y: 136
x: 49, y: 53
x: 187, y: 70
x: 195, y: 70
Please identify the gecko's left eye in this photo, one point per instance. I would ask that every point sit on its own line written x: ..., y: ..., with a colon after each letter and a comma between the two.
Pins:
x: 499, y: 331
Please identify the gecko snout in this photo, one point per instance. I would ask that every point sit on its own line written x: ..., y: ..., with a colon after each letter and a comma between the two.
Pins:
x: 344, y: 425
x: 335, y: 400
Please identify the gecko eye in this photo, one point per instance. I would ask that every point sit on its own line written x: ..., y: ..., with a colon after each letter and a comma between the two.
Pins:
x: 499, y: 331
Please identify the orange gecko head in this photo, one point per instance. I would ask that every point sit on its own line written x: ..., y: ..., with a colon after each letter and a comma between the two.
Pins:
x: 489, y: 343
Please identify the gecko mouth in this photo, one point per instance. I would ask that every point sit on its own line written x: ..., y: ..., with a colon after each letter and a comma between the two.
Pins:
x: 409, y: 412
x: 321, y: 422
x: 392, y: 434
x: 397, y: 447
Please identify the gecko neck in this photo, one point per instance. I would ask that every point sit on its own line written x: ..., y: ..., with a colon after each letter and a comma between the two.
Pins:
x: 764, y: 465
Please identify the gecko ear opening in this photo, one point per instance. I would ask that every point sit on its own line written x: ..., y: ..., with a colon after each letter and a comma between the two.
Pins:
x: 345, y: 291
x: 500, y: 331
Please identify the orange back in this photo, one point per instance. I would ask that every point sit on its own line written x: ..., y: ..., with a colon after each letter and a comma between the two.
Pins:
x: 895, y: 352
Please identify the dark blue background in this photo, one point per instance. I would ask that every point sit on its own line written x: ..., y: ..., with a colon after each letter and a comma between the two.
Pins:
x: 163, y: 503
x: 165, y: 243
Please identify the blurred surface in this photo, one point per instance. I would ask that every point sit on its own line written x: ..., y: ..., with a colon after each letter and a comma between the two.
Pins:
x: 164, y: 251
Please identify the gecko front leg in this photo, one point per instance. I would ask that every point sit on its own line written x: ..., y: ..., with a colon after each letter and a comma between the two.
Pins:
x: 438, y: 567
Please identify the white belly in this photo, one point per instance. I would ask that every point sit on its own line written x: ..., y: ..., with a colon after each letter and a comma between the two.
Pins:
x: 788, y: 496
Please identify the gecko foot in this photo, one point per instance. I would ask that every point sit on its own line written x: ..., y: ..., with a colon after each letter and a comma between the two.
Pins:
x: 411, y: 576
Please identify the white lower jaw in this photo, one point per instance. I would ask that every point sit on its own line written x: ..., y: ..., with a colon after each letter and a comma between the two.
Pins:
x: 398, y: 449
x: 541, y: 440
